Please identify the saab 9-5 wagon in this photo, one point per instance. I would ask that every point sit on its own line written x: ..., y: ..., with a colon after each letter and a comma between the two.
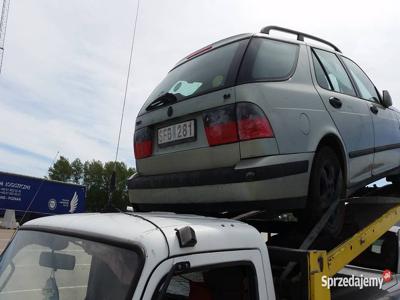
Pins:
x: 256, y: 122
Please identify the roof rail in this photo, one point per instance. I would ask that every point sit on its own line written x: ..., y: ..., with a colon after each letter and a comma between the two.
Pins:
x: 300, y: 35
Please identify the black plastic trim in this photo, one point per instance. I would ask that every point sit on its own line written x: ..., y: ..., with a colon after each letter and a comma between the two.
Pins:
x: 217, y: 176
x: 300, y: 35
x: 362, y: 152
x: 368, y: 151
x: 387, y: 147
x: 213, y: 208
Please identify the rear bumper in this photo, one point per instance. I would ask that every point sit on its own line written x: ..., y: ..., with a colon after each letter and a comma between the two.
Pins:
x: 279, y: 182
x: 218, y: 176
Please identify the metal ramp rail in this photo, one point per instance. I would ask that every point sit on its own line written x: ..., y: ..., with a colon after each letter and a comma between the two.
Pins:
x: 375, y: 215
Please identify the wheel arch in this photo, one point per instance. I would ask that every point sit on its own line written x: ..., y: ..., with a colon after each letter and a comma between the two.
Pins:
x: 332, y: 141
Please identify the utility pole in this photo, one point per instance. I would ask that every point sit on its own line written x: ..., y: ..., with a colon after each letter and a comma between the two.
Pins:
x: 3, y: 27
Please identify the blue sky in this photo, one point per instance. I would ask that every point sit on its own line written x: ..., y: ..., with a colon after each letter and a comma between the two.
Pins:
x: 65, y: 62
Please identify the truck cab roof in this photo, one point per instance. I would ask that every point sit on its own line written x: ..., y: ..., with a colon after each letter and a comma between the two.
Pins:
x: 148, y: 229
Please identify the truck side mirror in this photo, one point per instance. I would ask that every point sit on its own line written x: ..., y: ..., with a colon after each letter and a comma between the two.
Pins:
x: 387, y: 99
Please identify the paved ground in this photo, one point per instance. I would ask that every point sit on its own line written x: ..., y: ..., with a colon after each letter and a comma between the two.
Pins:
x: 5, y: 235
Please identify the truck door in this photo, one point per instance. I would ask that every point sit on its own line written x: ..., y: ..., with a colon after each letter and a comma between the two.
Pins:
x: 386, y: 127
x: 229, y: 275
x: 350, y: 114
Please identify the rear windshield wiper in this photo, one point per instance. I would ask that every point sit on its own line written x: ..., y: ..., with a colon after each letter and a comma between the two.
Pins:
x: 164, y: 99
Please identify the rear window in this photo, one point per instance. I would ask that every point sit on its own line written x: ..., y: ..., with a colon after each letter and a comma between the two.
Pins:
x: 213, y: 70
x: 268, y: 60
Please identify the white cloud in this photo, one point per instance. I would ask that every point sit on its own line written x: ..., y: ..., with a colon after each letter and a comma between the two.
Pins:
x: 22, y: 164
x: 46, y: 136
x: 64, y: 69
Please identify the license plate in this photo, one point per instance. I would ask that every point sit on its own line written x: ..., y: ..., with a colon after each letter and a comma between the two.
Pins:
x: 177, y: 133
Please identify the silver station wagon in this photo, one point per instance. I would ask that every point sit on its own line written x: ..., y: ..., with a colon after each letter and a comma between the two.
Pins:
x: 259, y: 122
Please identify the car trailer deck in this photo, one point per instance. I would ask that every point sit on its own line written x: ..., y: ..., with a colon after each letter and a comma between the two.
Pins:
x: 297, y: 267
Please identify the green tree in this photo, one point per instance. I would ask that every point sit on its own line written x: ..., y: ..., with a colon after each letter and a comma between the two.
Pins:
x: 96, y: 177
x: 61, y: 170
x: 120, y: 197
x: 96, y: 189
x: 77, y: 171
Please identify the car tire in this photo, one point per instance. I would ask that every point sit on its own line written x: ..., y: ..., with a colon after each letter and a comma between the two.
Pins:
x: 326, y: 186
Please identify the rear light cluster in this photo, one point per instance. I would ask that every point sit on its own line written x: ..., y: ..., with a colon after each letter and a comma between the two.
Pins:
x: 237, y: 122
x: 143, y: 143
x: 227, y: 124
x: 221, y: 126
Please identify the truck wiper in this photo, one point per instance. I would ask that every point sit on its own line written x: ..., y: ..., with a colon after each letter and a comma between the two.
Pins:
x: 164, y: 99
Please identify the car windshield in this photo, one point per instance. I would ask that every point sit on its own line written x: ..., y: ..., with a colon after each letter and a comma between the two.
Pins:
x: 40, y: 265
x: 215, y: 69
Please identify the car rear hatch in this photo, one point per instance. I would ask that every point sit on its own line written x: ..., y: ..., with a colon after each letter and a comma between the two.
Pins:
x: 189, y: 121
x: 179, y: 142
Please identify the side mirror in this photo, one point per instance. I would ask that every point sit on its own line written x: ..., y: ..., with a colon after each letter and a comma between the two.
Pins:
x: 387, y: 99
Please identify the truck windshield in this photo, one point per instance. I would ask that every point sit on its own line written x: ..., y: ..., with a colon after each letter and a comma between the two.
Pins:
x: 215, y: 69
x: 40, y: 265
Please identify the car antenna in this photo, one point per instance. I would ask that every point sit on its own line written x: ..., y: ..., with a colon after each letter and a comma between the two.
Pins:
x: 109, y: 206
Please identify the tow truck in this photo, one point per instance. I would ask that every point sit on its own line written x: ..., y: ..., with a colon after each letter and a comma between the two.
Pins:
x: 161, y: 255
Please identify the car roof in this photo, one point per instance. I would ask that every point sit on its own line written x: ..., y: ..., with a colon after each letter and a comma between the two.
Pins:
x: 248, y: 35
x: 150, y: 229
x: 214, y: 45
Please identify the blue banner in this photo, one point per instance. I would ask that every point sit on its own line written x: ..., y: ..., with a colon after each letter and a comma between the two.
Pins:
x: 42, y: 196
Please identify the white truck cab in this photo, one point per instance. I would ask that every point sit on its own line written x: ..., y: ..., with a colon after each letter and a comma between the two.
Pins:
x: 159, y: 256
x: 82, y: 256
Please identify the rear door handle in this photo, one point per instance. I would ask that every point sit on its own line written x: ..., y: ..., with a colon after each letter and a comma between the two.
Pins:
x: 373, y: 109
x: 335, y: 102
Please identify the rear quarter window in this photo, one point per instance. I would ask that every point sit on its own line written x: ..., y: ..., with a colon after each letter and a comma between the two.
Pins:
x: 268, y: 60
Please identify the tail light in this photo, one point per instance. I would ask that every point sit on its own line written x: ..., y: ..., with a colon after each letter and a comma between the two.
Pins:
x: 233, y: 123
x: 221, y: 126
x: 143, y: 143
x: 252, y: 122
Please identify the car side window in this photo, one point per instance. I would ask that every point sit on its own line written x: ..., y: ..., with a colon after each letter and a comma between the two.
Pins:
x: 337, y: 76
x: 320, y: 74
x: 213, y: 282
x: 268, y: 60
x: 365, y: 86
